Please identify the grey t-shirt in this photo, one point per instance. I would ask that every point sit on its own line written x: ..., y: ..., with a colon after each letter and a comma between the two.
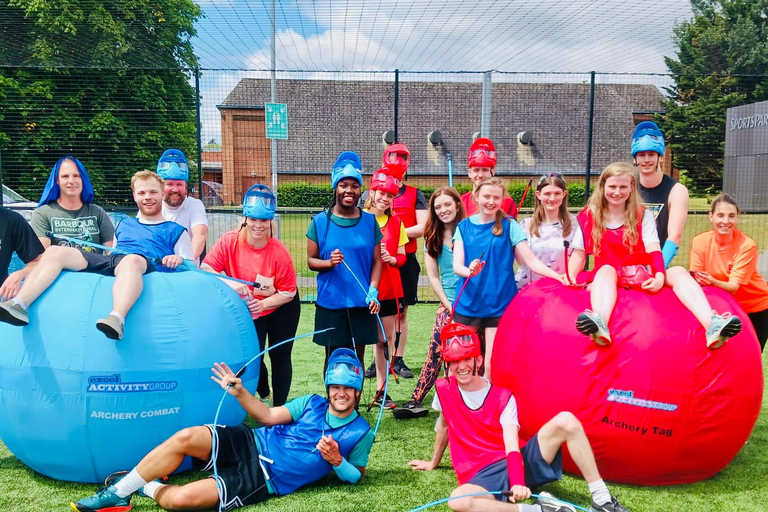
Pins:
x: 90, y: 224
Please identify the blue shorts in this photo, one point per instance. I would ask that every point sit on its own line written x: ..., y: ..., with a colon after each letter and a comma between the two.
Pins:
x: 537, y: 470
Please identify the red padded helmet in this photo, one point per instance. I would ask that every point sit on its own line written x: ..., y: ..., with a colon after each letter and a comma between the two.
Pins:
x: 397, y: 157
x: 459, y: 342
x: 383, y: 180
x: 636, y: 269
x: 482, y: 153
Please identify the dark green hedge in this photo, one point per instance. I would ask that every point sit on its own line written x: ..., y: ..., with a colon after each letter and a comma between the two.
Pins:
x: 303, y: 195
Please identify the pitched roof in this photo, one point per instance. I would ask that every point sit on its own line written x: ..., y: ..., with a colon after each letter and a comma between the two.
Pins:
x: 327, y: 117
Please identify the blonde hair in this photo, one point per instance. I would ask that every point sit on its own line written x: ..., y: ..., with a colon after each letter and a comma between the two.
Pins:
x: 538, y: 209
x: 498, y: 228
x: 369, y: 204
x: 147, y: 175
x: 633, y: 210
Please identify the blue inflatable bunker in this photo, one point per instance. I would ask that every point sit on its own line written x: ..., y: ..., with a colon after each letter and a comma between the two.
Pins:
x: 75, y: 405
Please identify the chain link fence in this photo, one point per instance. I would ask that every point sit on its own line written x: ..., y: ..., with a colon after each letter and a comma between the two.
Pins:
x: 573, y: 124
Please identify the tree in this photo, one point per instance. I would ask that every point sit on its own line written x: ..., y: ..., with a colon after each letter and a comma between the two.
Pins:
x: 722, y: 61
x: 105, y: 81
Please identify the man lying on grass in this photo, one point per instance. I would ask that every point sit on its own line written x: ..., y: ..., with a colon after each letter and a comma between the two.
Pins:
x: 300, y: 443
x: 480, y: 422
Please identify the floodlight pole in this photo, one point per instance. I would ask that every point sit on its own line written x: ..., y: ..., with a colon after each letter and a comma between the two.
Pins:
x: 273, y: 99
x: 588, y: 170
x: 485, y: 109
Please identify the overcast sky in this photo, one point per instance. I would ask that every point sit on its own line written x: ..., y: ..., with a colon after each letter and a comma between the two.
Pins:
x: 577, y: 36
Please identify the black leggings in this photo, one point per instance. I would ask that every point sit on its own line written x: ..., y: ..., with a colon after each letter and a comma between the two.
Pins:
x: 760, y: 323
x: 280, y: 325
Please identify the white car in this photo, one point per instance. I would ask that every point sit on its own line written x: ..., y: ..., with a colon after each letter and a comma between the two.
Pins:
x: 18, y: 203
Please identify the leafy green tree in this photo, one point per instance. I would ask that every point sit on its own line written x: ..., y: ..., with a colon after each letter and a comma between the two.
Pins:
x: 108, y: 82
x: 722, y: 61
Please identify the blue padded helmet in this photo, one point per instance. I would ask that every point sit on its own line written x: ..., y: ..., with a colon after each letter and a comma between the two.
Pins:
x: 648, y: 137
x: 344, y: 369
x: 348, y: 165
x: 259, y: 203
x: 173, y: 165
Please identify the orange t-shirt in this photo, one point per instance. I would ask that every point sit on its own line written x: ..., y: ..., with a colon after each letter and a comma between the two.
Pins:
x: 738, y: 263
x: 270, y: 267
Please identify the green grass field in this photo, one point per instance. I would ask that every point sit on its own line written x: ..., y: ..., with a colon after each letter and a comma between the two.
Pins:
x: 389, y: 485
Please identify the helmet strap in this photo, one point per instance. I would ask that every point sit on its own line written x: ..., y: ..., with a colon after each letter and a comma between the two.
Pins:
x: 474, y: 367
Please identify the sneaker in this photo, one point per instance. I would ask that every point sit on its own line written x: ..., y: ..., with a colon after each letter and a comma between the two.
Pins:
x: 549, y: 503
x: 412, y: 409
x: 371, y: 371
x: 267, y: 400
x: 105, y: 500
x: 722, y: 327
x: 12, y: 313
x: 402, y: 369
x: 388, y: 402
x: 611, y: 506
x: 114, y: 478
x: 111, y: 326
x: 592, y: 324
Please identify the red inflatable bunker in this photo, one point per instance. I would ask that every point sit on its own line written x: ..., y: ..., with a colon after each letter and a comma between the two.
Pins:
x: 658, y: 406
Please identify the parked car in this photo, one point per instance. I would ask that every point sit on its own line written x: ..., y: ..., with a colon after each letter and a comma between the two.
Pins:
x: 18, y: 203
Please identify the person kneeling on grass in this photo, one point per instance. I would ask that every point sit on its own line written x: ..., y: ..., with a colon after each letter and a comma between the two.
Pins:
x: 301, y: 442
x: 151, y: 239
x: 480, y: 422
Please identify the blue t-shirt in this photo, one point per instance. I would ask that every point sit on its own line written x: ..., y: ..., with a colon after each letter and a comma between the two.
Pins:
x: 448, y: 279
x: 516, y: 233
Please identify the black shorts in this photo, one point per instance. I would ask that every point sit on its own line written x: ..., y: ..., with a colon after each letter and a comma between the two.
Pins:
x: 105, y: 264
x: 390, y: 307
x: 480, y: 323
x: 537, y: 470
x: 348, y: 324
x: 409, y: 275
x: 241, y: 479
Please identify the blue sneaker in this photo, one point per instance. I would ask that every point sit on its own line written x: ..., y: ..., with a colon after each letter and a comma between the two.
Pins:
x: 722, y: 327
x: 105, y: 500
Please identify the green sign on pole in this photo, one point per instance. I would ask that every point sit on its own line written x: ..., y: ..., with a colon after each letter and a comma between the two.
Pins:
x: 276, y: 118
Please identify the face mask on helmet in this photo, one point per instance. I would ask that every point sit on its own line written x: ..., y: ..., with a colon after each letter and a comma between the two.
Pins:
x: 259, y: 203
x: 344, y: 369
x: 172, y: 165
x: 397, y: 157
x: 459, y: 343
x: 482, y: 153
x: 648, y: 137
x: 384, y: 182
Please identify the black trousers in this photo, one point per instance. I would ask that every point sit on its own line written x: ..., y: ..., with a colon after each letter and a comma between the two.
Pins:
x: 278, y: 326
x: 760, y: 323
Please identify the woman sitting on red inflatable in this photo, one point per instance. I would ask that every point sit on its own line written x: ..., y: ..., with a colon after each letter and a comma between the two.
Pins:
x: 622, y: 236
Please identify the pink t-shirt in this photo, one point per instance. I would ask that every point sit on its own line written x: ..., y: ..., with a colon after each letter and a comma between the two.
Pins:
x: 270, y: 267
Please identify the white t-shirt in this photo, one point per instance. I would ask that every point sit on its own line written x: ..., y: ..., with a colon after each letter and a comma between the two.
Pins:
x: 650, y: 234
x: 189, y: 214
x: 475, y: 399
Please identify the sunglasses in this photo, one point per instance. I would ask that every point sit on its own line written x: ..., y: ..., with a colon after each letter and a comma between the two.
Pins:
x: 550, y: 175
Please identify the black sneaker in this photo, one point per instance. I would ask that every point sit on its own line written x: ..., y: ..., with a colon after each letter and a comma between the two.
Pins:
x: 388, y: 402
x: 611, y: 506
x: 371, y: 371
x: 402, y: 369
x: 412, y: 409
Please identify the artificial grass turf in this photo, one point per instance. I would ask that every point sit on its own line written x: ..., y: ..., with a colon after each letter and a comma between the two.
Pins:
x: 389, y: 485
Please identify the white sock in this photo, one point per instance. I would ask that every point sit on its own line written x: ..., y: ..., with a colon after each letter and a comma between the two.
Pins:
x: 151, y: 488
x: 119, y: 316
x: 129, y: 484
x: 528, y: 508
x: 19, y: 302
x: 600, y: 493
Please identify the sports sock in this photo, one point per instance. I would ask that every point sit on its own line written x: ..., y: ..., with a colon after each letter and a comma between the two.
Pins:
x: 19, y: 302
x: 151, y: 488
x: 528, y: 508
x: 600, y: 493
x: 119, y: 316
x: 129, y: 484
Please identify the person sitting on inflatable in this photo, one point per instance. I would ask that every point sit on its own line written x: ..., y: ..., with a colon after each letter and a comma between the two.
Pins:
x: 622, y: 236
x: 490, y: 237
x: 727, y: 258
x: 149, y: 240
x: 479, y: 420
x: 481, y: 165
x: 548, y: 227
x: 300, y: 443
x: 16, y: 236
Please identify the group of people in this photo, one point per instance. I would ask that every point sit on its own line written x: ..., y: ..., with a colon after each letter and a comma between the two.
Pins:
x: 363, y: 248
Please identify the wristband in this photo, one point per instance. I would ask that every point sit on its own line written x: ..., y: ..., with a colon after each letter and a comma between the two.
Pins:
x: 372, y: 295
x: 658, y: 262
x: 669, y: 251
x: 515, y: 469
x: 347, y: 472
x: 400, y: 260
